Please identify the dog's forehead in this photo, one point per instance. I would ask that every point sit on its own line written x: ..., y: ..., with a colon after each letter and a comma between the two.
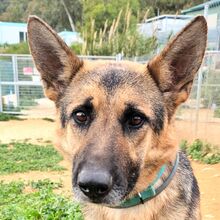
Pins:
x: 112, y: 87
x: 115, y: 83
x: 111, y: 74
x: 91, y: 65
x: 101, y: 79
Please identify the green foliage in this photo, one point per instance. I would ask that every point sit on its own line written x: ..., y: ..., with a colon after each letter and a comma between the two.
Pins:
x: 3, y: 6
x: 103, y: 34
x: 201, y: 151
x: 217, y: 113
x: 50, y: 10
x: 120, y: 36
x: 14, y: 11
x: 106, y: 10
x: 21, y: 48
x: 83, y: 11
x: 41, y: 203
x: 101, y: 10
x: 77, y: 48
x: 9, y: 191
x: 48, y: 119
x: 41, y: 184
x: 23, y: 157
x: 167, y: 6
x: 7, y: 117
x: 183, y: 145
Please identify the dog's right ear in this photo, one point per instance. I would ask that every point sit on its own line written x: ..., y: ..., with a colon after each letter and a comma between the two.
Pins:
x: 174, y: 69
x: 53, y: 58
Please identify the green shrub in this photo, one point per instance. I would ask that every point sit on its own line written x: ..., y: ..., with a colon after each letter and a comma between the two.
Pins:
x: 217, y: 113
x: 7, y: 117
x: 201, y: 151
x: 23, y: 157
x: 77, y: 48
x: 48, y: 119
x: 42, y: 203
x: 119, y: 36
x: 183, y: 145
x: 21, y: 48
x: 41, y: 184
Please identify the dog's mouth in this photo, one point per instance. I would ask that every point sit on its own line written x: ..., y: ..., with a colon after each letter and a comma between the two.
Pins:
x: 100, y: 194
x: 107, y: 182
x: 101, y: 187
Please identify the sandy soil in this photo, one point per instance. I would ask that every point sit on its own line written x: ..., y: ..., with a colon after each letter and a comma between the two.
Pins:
x: 39, y: 131
x: 209, y: 132
x: 207, y: 129
x: 31, y: 129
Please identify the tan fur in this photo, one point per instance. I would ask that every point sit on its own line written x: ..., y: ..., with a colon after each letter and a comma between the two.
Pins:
x: 166, y: 80
x: 146, y: 211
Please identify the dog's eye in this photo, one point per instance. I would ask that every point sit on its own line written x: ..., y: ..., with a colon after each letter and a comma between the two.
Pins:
x: 135, y: 121
x: 80, y: 117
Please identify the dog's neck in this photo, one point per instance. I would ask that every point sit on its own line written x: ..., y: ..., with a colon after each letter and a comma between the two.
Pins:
x: 147, y: 210
x: 154, y: 188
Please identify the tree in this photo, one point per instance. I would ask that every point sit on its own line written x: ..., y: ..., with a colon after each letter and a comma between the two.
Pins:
x: 156, y: 7
x: 3, y: 5
x: 14, y: 11
x: 119, y: 36
x: 68, y: 15
x: 52, y: 11
x: 102, y: 10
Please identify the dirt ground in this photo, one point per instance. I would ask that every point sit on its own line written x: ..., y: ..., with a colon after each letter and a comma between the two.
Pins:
x: 208, y: 128
x: 36, y: 130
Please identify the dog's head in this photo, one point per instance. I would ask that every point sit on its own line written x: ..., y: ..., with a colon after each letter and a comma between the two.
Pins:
x: 115, y: 117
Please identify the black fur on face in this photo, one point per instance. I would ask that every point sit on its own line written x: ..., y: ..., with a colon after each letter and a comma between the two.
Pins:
x: 108, y: 136
x: 124, y: 172
x: 111, y: 79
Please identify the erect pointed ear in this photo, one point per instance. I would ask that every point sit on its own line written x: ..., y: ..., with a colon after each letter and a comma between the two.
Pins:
x: 175, y: 67
x: 53, y: 59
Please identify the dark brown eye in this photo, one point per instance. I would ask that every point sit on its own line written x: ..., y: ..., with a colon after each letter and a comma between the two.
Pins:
x: 80, y: 117
x: 136, y: 121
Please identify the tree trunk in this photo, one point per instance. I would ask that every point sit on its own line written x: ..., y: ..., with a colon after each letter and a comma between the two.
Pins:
x: 69, y: 16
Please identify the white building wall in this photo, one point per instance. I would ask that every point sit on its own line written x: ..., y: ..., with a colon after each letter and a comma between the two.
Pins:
x: 10, y: 34
x: 162, y: 28
x: 162, y: 25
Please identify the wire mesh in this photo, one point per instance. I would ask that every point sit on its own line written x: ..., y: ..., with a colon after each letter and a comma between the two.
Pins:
x: 21, y: 92
x: 202, y: 119
x: 21, y: 89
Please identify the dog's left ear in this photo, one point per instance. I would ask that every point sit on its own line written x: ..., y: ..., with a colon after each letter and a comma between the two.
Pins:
x: 175, y: 67
x: 56, y: 63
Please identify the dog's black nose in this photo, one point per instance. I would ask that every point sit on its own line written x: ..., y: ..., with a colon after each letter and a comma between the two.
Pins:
x: 95, y: 184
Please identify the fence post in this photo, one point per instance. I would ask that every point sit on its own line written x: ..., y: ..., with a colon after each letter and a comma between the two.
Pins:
x: 198, y: 97
x: 15, y: 72
x: 118, y: 57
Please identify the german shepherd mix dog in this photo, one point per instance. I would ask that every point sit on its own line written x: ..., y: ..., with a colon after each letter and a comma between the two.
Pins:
x: 116, y: 121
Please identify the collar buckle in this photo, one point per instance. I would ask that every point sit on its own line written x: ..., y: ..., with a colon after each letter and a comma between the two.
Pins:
x: 151, y: 192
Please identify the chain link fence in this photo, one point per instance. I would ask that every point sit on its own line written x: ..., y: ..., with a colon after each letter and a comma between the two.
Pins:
x: 21, y: 93
x: 199, y: 117
x: 21, y: 89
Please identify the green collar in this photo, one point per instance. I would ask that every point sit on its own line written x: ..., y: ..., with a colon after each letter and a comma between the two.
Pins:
x: 150, y: 192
